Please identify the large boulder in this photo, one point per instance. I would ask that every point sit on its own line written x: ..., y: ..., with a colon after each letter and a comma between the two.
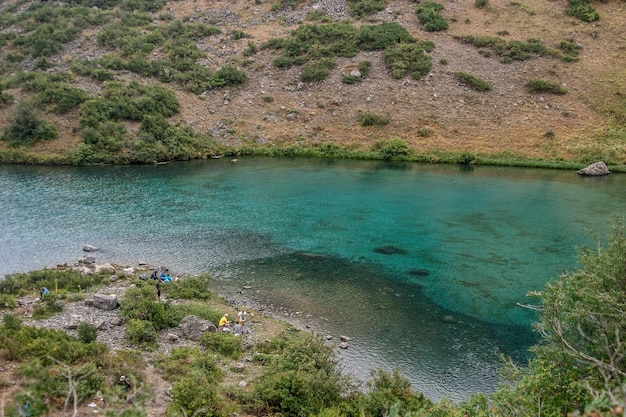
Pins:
x: 597, y: 169
x: 192, y: 327
x: 105, y: 302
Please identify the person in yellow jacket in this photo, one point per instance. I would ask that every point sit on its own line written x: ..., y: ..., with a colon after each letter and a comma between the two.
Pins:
x: 224, y: 324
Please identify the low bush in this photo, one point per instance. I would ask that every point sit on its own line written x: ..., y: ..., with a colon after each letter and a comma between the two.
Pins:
x: 196, y: 396
x: 475, y: 83
x: 7, y: 301
x: 25, y: 128
x: 363, y: 8
x: 142, y: 304
x: 428, y: 14
x: 229, y: 76
x: 299, y: 381
x: 141, y: 331
x: 393, y: 149
x: 226, y: 344
x: 392, y: 391
x: 86, y: 332
x: 63, y: 280
x: 382, y: 36
x: 411, y: 59
x: 47, y: 307
x: 11, y: 322
x: 581, y: 9
x: 190, y: 288
x: 372, y: 119
x: 185, y: 360
x: 543, y: 86
x: 317, y: 70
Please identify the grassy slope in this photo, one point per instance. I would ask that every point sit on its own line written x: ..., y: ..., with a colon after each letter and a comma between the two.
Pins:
x: 508, y: 120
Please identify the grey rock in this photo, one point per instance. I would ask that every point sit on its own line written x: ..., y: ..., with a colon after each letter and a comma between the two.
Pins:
x: 597, y: 169
x: 193, y: 327
x: 89, y: 248
x: 105, y: 302
x: 72, y: 322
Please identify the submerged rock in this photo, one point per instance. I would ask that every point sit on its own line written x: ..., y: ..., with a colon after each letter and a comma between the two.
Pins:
x: 390, y: 250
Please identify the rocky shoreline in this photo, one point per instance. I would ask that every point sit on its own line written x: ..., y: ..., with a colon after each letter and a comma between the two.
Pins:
x: 110, y: 326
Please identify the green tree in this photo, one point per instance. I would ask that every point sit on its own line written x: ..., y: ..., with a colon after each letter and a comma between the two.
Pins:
x: 583, y: 322
x: 25, y: 128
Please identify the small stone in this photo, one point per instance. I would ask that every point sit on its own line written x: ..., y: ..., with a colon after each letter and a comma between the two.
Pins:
x: 343, y: 345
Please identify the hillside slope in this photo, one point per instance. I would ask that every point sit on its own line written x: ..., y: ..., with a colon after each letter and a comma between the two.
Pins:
x: 433, y: 113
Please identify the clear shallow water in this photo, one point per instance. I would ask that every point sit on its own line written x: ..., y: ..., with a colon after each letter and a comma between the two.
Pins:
x: 402, y: 245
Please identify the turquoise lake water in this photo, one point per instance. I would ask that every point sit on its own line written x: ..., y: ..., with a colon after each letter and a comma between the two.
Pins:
x: 422, y: 266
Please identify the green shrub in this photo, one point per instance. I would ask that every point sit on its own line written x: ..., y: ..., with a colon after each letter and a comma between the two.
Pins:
x: 350, y: 79
x: 143, y: 5
x: 190, y: 288
x: 363, y: 8
x: 428, y: 14
x: 543, y: 86
x: 283, y: 62
x: 300, y: 381
x: 472, y: 81
x: 392, y: 149
x: 371, y: 119
x: 11, y: 322
x: 196, y: 396
x: 569, y: 47
x: 63, y: 96
x: 317, y: 70
x: 466, y: 158
x: 183, y: 361
x: 7, y: 301
x: 141, y: 331
x: 65, y: 280
x: 86, y: 332
x: 230, y: 76
x: 250, y: 50
x: 364, y: 68
x: 581, y: 9
x: 392, y: 391
x: 226, y: 344
x: 47, y: 307
x: 238, y: 34
x: 481, y: 4
x: 5, y: 98
x: 142, y: 304
x: 380, y: 37
x: 411, y: 59
x: 25, y: 128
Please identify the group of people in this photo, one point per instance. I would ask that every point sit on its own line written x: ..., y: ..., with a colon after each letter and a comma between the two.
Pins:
x: 238, y: 328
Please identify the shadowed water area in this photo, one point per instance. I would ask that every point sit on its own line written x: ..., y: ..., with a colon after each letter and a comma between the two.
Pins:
x: 422, y: 266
